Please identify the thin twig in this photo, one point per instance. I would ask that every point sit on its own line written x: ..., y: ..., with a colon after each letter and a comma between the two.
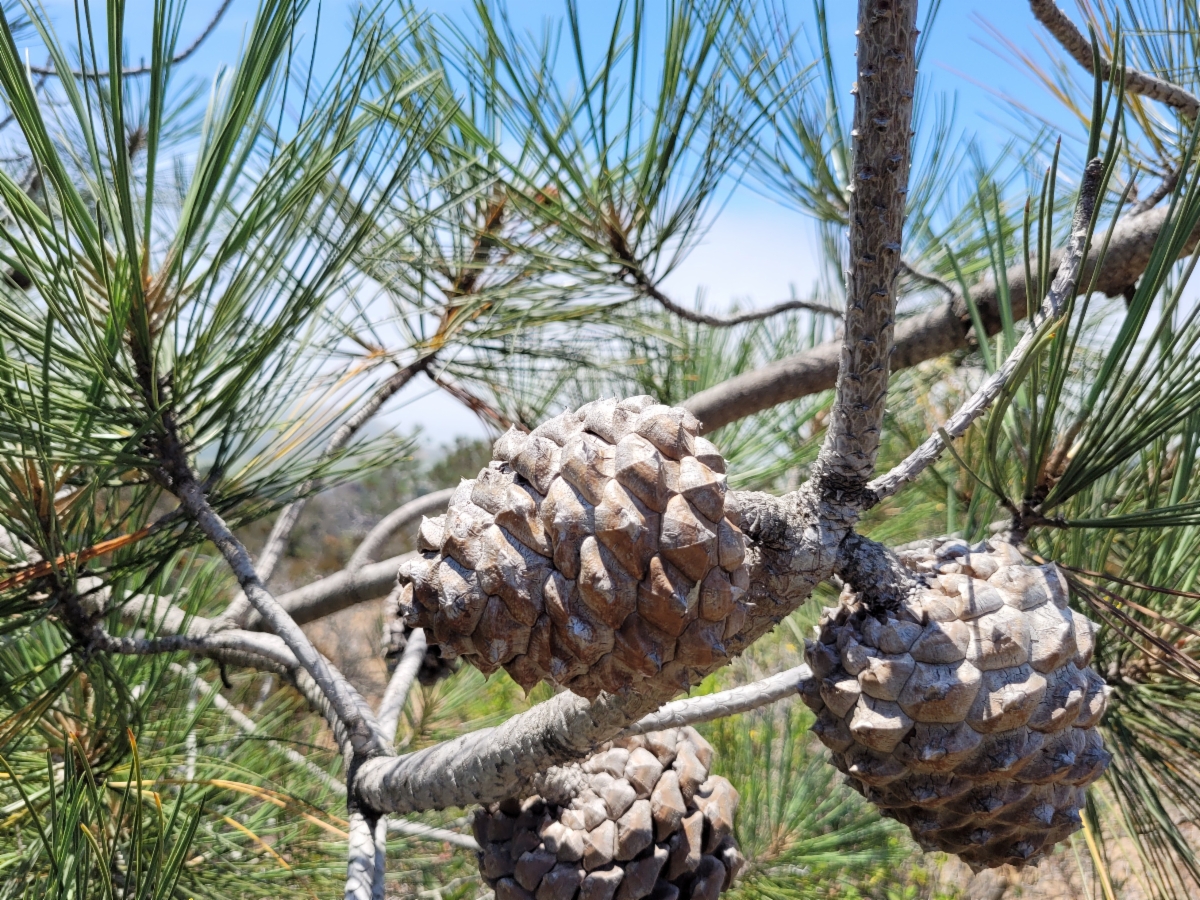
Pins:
x: 399, y: 518
x: 927, y: 278
x: 396, y: 694
x: 238, y: 612
x: 51, y: 72
x: 1075, y: 43
x: 1063, y: 288
x: 332, y: 683
x: 1160, y: 191
x: 707, y: 708
x: 646, y: 287
x: 486, y: 411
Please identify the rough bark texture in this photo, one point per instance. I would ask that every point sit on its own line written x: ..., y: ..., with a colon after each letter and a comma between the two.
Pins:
x: 1076, y: 43
x: 928, y: 335
x: 887, y: 72
x: 1061, y: 291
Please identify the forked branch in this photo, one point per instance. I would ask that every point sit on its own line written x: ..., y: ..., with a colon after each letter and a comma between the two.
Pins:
x: 929, y: 335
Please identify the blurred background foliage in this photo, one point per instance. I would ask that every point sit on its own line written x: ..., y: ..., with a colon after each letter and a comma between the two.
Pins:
x: 499, y: 211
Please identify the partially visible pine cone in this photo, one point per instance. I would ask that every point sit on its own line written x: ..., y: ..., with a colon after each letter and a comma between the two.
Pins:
x: 593, y: 552
x: 969, y: 713
x: 649, y: 822
x: 434, y: 667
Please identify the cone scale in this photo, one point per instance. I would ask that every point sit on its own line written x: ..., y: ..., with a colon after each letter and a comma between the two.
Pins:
x: 968, y: 713
x: 648, y: 821
x: 593, y: 553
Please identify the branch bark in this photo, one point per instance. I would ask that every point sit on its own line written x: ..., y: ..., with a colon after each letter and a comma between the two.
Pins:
x: 929, y: 335
x: 887, y: 73
x: 1075, y: 43
x: 708, y: 708
x: 396, y: 694
x: 333, y: 684
x: 336, y: 592
x: 1066, y: 285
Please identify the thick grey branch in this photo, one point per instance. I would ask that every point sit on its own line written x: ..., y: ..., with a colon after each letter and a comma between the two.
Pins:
x: 694, y: 710
x: 1074, y: 42
x: 377, y: 537
x: 887, y: 73
x: 1066, y: 284
x: 929, y: 335
x: 360, y: 869
x: 493, y: 764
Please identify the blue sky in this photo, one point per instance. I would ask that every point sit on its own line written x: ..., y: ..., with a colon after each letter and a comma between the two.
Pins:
x: 764, y: 248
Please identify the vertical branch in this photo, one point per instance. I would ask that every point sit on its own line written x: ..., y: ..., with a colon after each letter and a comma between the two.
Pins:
x: 883, y: 104
x: 377, y: 885
x: 360, y: 871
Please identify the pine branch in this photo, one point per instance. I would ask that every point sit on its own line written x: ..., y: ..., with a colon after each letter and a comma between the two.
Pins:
x: 492, y: 764
x: 396, y: 694
x: 649, y: 289
x: 707, y: 708
x: 333, y: 685
x: 932, y: 334
x: 1066, y: 285
x: 1080, y: 48
x: 239, y: 611
x: 887, y: 72
x: 361, y: 869
x: 336, y: 592
x: 389, y: 525
x: 51, y: 72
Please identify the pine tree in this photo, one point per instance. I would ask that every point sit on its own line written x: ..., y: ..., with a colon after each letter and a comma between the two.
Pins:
x: 981, y: 429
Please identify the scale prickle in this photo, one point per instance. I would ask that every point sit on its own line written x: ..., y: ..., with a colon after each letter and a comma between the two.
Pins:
x: 969, y: 711
x: 593, y: 552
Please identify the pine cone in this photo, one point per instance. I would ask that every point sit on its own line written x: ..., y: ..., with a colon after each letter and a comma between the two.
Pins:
x: 434, y: 667
x: 649, y: 821
x: 969, y: 713
x: 593, y: 552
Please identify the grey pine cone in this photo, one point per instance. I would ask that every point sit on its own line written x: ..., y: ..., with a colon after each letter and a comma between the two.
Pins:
x: 969, y: 713
x: 647, y: 821
x: 593, y: 552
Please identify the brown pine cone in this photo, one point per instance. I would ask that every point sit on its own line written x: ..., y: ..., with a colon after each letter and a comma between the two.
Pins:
x: 649, y: 822
x: 593, y: 552
x: 969, y: 713
x: 434, y: 667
